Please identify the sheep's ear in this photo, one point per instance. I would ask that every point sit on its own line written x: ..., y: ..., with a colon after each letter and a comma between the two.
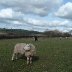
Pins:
x: 30, y: 45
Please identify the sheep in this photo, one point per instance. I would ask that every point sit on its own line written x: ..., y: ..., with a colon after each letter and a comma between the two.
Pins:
x: 27, y: 49
x: 29, y: 53
x: 18, y: 49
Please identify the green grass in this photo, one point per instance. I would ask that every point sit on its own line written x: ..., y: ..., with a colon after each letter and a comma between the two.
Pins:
x: 55, y: 55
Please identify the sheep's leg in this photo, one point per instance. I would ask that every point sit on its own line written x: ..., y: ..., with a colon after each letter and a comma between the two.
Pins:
x: 13, y: 56
x: 27, y: 60
x: 30, y: 60
x: 16, y: 56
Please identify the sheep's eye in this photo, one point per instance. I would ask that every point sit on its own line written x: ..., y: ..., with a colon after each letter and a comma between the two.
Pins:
x: 28, y: 46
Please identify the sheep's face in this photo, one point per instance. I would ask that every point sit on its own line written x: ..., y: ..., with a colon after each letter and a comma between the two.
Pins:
x: 27, y: 47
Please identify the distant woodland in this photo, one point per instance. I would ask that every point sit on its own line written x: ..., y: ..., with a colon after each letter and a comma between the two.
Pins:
x: 20, y: 33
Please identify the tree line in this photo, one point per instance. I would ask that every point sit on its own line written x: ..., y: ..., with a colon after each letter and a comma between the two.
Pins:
x: 19, y: 33
x: 16, y: 33
x: 57, y: 33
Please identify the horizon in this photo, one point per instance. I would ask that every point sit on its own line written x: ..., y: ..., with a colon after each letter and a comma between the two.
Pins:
x: 36, y: 31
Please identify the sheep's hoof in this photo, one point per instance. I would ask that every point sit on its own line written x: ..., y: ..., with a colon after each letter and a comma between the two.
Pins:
x: 12, y: 59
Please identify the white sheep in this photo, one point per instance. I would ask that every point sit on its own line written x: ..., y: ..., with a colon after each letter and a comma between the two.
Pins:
x: 30, y: 51
x: 18, y: 49
x: 27, y: 49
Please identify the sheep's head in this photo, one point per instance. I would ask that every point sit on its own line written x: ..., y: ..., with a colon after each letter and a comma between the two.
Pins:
x: 27, y: 47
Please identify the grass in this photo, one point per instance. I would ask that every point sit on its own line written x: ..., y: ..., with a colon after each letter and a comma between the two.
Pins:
x: 55, y: 55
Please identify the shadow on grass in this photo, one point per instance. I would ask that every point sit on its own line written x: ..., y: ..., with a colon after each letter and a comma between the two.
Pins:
x: 34, y: 58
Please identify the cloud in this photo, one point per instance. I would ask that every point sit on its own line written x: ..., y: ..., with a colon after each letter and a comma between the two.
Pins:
x: 10, y: 13
x: 45, y: 23
x: 38, y: 24
x: 33, y: 14
x: 65, y: 11
x: 6, y: 13
x: 38, y: 7
x: 42, y: 25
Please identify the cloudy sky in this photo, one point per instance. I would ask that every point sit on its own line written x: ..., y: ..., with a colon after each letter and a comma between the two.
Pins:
x: 37, y: 15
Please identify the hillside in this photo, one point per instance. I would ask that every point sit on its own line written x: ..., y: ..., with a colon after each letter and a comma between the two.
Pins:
x: 17, y: 32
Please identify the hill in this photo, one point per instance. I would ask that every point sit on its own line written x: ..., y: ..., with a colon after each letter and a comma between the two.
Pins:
x: 16, y: 33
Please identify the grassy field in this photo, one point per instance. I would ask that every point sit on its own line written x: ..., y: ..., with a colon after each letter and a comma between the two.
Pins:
x: 53, y: 55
